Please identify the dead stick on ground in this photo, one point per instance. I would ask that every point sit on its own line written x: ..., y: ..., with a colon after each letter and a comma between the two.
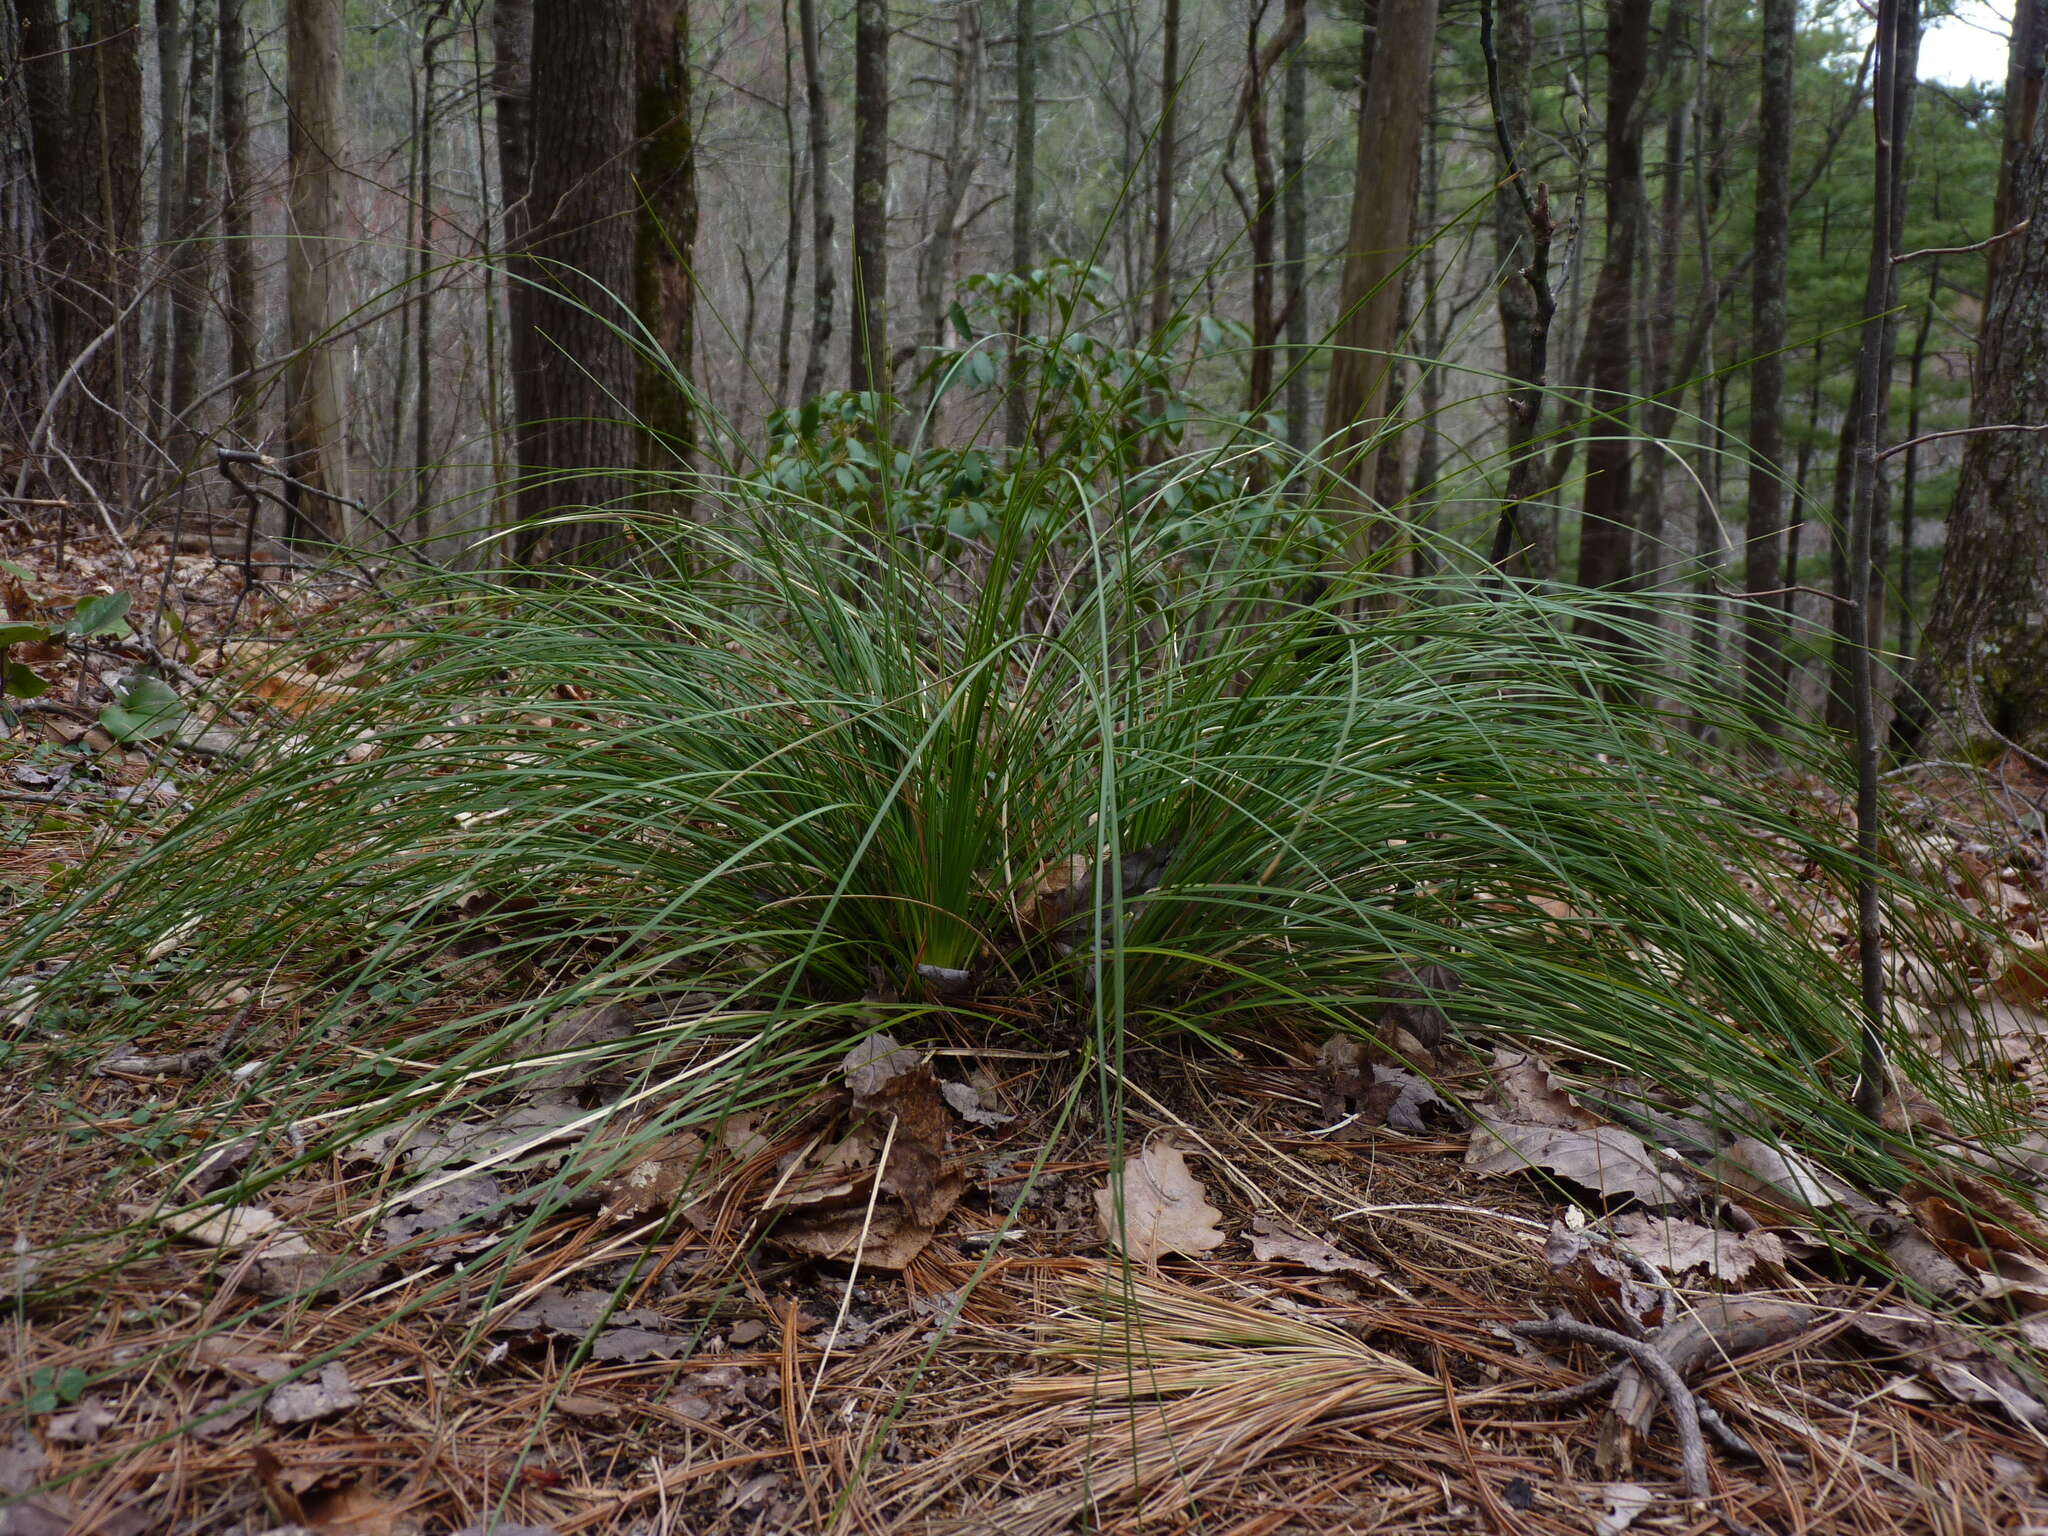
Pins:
x: 1692, y: 1446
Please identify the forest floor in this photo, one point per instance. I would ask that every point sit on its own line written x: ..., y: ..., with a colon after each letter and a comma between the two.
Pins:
x: 1316, y: 1322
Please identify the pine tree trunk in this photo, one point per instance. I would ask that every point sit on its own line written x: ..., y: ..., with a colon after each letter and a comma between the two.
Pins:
x: 664, y: 290
x: 1294, y: 242
x: 1378, y: 245
x: 1608, y: 523
x: 191, y: 261
x: 1764, y: 631
x: 1260, y: 63
x: 573, y: 371
x: 869, y: 362
x: 24, y: 295
x: 1523, y: 228
x: 1023, y: 204
x: 316, y: 271
x: 238, y: 255
x: 1166, y: 167
x: 819, y: 128
x: 1984, y: 652
x: 1859, y: 497
x: 94, y: 240
x: 965, y: 120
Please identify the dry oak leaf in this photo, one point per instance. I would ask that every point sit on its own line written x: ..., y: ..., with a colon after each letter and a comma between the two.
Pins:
x: 1152, y: 1205
x: 1526, y: 1091
x: 1677, y: 1246
x: 1604, y: 1158
x: 302, y: 1402
x: 1953, y: 1358
x: 1274, y: 1241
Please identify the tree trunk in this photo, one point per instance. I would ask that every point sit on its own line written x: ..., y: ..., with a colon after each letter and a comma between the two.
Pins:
x: 664, y: 290
x: 1764, y: 630
x: 1023, y: 201
x: 1294, y: 242
x: 1260, y: 62
x: 869, y: 362
x: 1859, y: 483
x: 1378, y: 245
x: 433, y: 33
x: 97, y: 230
x: 1523, y: 230
x: 191, y: 260
x: 964, y: 125
x: 1607, y: 525
x: 238, y: 256
x: 819, y: 128
x: 1984, y: 652
x: 793, y: 203
x: 512, y: 93
x: 1165, y: 166
x: 170, y: 180
x: 1909, y: 475
x: 316, y: 270
x: 573, y: 370
x: 24, y: 295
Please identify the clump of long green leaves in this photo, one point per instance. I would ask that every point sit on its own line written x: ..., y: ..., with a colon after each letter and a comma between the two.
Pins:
x: 784, y: 771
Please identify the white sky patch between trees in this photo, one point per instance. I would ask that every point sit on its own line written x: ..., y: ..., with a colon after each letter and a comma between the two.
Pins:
x: 1968, y: 46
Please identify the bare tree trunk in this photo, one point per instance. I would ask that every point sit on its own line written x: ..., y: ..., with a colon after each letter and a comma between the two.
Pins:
x: 1608, y: 524
x: 1764, y: 628
x: 1523, y: 229
x: 573, y: 370
x: 1294, y: 240
x: 664, y: 287
x: 45, y: 66
x: 24, y: 294
x: 1263, y: 215
x: 191, y: 261
x: 869, y: 363
x: 511, y: 86
x: 1909, y: 476
x: 169, y: 190
x: 316, y: 271
x: 1984, y: 652
x: 238, y: 256
x: 785, y: 321
x: 821, y: 199
x: 1859, y: 483
x: 1165, y: 161
x: 966, y: 118
x: 93, y: 242
x: 1023, y: 201
x: 434, y: 32
x: 1378, y: 245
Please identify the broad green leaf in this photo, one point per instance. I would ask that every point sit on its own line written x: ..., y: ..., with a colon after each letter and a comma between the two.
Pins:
x: 24, y: 684
x: 99, y: 615
x: 23, y: 634
x: 146, y: 708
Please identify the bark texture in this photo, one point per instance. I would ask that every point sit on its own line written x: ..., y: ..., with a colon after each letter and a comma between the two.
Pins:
x: 573, y: 372
x: 869, y: 368
x: 94, y: 215
x: 664, y: 292
x: 316, y: 271
x: 1608, y: 522
x: 1378, y: 246
x: 1764, y: 628
x: 238, y: 256
x: 1023, y: 197
x: 24, y: 295
x: 1984, y: 655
